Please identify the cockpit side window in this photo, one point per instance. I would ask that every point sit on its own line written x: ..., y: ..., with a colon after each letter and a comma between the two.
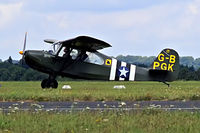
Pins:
x: 56, y: 47
x: 74, y: 54
x: 62, y: 52
x: 68, y: 52
x: 94, y: 59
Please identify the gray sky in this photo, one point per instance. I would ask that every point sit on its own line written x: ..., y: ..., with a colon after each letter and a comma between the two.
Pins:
x: 142, y: 27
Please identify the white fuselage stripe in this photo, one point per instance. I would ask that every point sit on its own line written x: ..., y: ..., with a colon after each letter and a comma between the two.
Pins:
x: 113, y: 69
x: 122, y: 64
x: 132, y: 73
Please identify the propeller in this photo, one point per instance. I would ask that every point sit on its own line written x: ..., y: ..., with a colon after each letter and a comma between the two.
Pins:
x: 24, y: 48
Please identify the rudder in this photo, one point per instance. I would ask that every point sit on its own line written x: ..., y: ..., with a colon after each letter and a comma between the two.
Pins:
x: 166, y: 65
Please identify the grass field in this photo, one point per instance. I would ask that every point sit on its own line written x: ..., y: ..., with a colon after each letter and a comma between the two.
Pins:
x: 100, y: 91
x: 149, y: 121
x: 146, y: 121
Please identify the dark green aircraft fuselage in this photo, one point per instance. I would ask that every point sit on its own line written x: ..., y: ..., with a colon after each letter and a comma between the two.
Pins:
x: 46, y: 62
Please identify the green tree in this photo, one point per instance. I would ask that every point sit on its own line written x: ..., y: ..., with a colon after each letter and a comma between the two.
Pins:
x: 10, y: 60
x: 31, y: 74
x: 187, y: 61
x: 4, y: 74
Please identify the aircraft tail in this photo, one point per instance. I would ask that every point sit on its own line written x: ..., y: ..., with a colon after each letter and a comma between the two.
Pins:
x: 166, y: 66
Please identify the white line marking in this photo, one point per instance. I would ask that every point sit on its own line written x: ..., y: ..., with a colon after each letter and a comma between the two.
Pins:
x: 113, y: 69
x: 132, y: 73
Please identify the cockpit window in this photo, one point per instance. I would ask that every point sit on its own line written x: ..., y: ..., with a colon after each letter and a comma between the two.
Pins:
x: 62, y: 52
x: 68, y: 52
x: 94, y: 58
x: 74, y: 54
x: 56, y: 48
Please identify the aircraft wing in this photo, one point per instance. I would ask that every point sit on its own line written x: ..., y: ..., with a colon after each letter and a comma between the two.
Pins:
x: 85, y: 43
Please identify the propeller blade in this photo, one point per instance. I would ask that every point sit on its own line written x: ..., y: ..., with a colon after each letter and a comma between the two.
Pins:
x: 24, y: 48
x: 25, y: 42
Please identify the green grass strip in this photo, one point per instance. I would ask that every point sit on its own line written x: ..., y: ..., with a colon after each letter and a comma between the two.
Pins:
x: 100, y: 91
x: 148, y: 121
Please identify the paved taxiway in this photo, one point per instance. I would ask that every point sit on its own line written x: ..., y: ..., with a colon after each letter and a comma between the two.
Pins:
x: 101, y: 105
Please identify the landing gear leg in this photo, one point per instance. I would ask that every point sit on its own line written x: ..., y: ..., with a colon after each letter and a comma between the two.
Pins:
x: 166, y: 84
x: 50, y: 82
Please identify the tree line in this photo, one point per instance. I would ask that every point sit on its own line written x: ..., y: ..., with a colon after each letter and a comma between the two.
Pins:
x: 17, y: 72
x: 185, y: 61
x: 11, y: 70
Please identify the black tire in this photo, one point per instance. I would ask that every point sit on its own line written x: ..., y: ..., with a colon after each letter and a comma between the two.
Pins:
x: 45, y: 84
x: 54, y: 84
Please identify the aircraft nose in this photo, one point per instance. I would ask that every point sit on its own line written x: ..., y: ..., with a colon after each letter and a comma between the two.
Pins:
x: 31, y: 56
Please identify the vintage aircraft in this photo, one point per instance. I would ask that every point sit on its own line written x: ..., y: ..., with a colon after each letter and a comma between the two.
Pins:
x: 79, y: 58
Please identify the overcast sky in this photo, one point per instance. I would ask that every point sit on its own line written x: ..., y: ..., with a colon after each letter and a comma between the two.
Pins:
x: 142, y: 27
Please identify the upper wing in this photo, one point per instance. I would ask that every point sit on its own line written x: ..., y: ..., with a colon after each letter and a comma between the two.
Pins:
x: 85, y: 43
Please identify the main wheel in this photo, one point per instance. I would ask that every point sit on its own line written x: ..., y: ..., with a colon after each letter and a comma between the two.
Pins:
x: 45, y: 83
x: 54, y: 84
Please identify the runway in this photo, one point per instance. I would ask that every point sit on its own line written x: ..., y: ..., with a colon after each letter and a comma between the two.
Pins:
x: 101, y: 105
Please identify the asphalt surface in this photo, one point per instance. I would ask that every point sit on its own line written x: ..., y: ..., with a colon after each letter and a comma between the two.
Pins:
x: 101, y: 105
